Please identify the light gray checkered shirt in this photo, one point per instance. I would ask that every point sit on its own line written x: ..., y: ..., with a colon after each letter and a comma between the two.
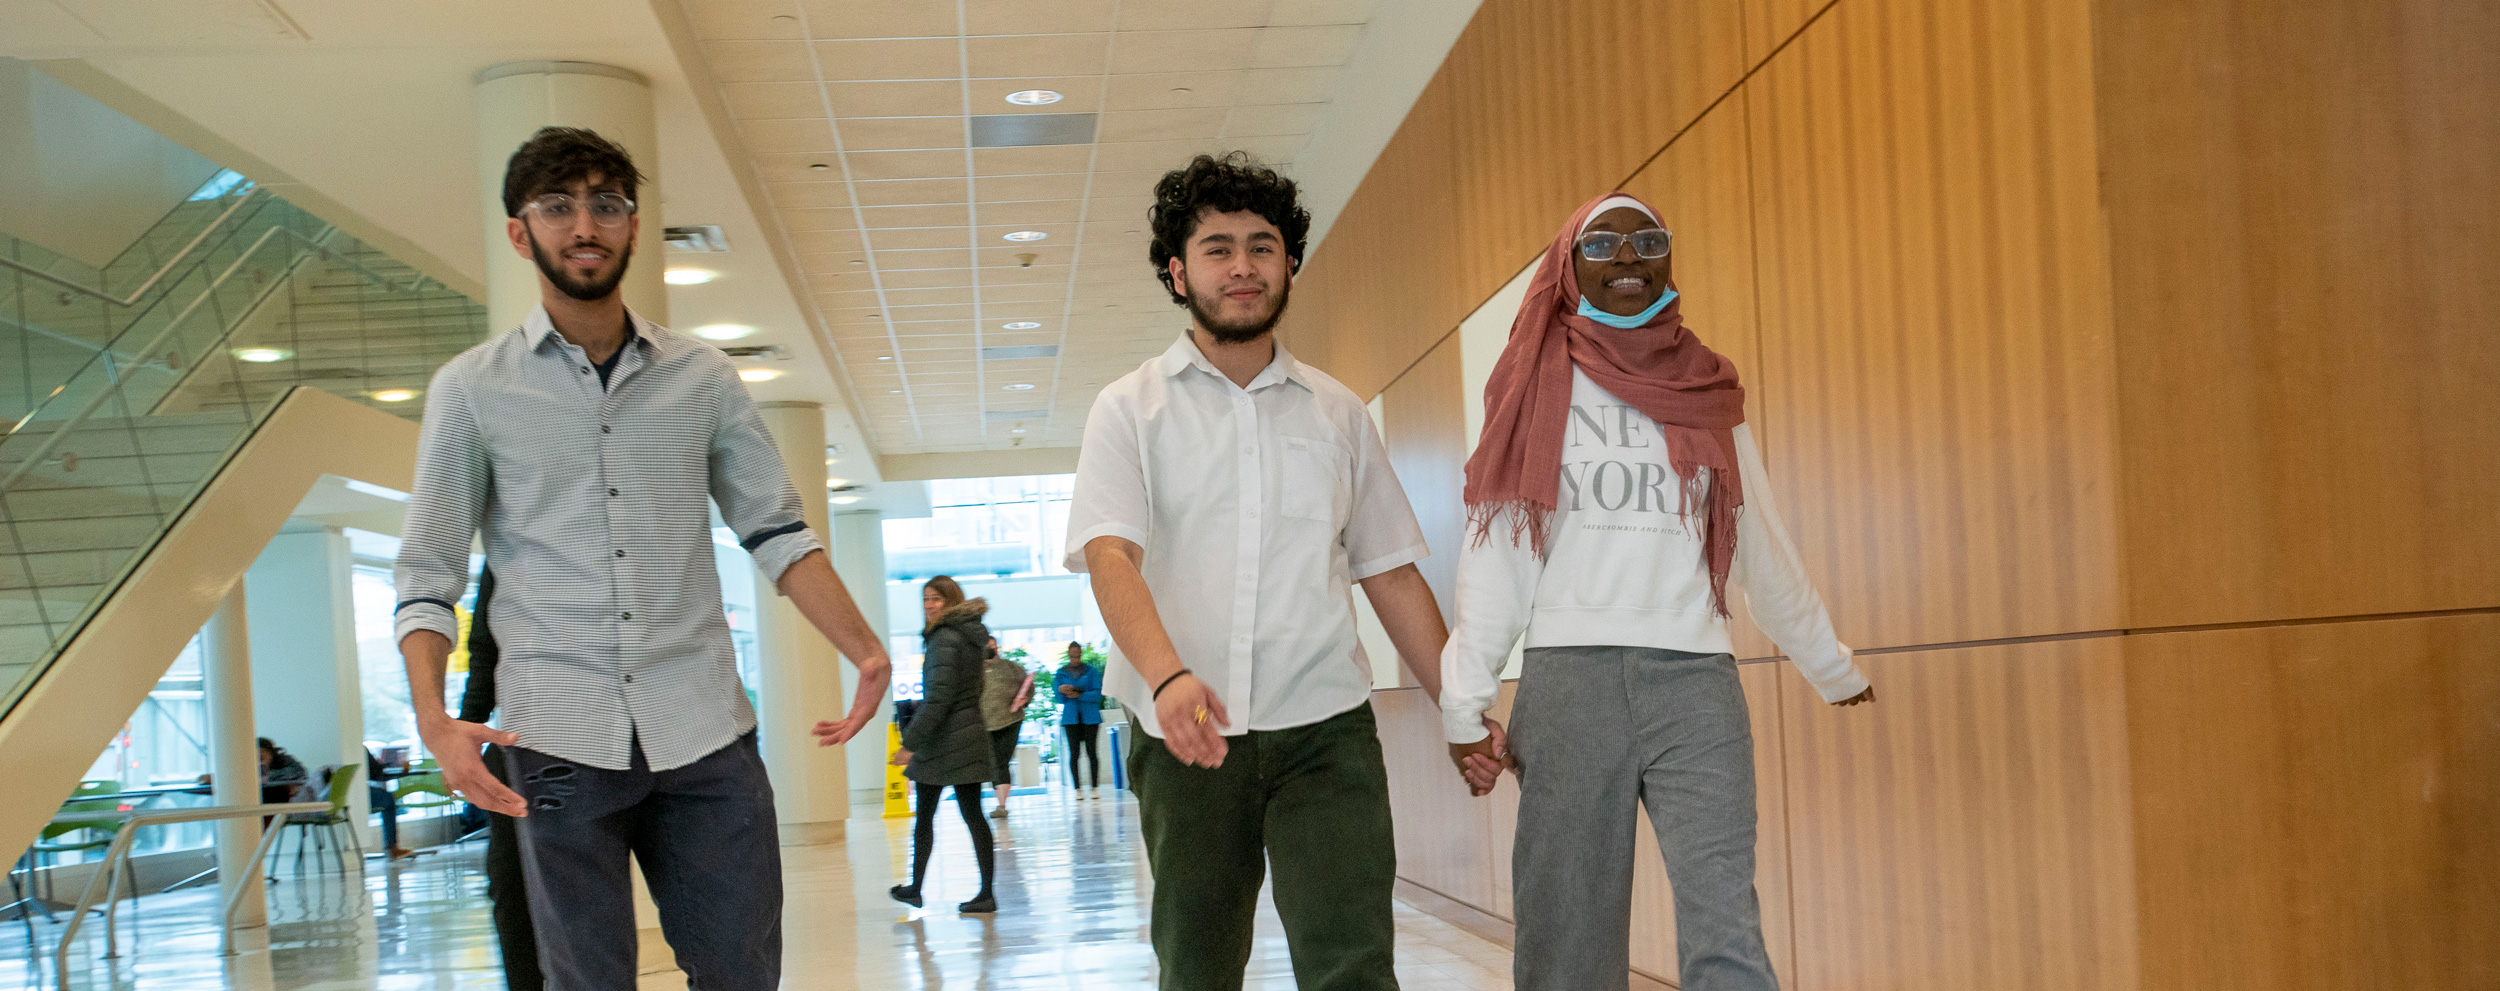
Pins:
x: 607, y: 604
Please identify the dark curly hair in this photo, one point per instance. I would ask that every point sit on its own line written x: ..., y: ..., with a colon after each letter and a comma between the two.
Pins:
x: 556, y: 157
x: 1228, y: 183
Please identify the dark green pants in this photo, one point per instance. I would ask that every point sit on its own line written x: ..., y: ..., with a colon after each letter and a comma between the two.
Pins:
x: 1312, y: 801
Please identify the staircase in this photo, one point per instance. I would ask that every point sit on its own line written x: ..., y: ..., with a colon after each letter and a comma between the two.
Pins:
x: 129, y: 388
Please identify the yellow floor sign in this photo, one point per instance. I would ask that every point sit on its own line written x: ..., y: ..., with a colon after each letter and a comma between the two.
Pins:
x: 897, y: 791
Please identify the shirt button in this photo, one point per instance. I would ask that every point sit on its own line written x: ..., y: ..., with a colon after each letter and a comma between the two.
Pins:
x: 629, y: 679
x: 625, y: 616
x: 611, y: 491
x: 603, y: 428
x: 585, y: 369
x: 620, y: 552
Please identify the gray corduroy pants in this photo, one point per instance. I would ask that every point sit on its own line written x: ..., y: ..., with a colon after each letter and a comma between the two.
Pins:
x: 1596, y: 730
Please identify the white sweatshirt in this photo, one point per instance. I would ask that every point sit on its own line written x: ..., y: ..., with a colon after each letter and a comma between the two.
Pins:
x: 1624, y: 569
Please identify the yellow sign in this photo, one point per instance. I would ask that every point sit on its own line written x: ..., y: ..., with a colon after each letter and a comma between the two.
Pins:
x: 460, y: 647
x: 897, y: 790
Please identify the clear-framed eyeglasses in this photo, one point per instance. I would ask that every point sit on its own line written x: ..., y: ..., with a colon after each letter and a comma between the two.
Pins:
x: 1603, y: 246
x: 606, y: 209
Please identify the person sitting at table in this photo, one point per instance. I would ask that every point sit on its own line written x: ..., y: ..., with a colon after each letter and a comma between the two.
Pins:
x: 383, y: 801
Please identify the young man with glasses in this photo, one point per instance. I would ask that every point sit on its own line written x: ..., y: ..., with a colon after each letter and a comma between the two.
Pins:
x: 584, y: 445
x: 1227, y: 498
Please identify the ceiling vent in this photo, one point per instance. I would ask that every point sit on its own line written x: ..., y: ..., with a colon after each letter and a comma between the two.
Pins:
x: 759, y: 352
x: 1011, y: 352
x: 1013, y: 415
x: 706, y: 238
x: 1024, y: 130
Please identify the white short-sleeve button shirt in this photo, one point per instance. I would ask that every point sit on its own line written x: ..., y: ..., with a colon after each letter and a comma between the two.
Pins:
x: 1258, y: 508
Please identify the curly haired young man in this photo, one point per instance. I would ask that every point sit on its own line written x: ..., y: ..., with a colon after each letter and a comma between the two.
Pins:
x: 1242, y: 494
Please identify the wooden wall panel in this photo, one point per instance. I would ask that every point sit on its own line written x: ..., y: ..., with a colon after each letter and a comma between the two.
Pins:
x: 1385, y: 285
x: 1769, y: 23
x: 2303, y: 227
x: 1968, y: 831
x: 1934, y: 318
x: 1427, y: 439
x: 1444, y: 834
x: 2314, y: 805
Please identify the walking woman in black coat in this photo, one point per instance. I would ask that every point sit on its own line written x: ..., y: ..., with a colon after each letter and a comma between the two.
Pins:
x: 948, y: 742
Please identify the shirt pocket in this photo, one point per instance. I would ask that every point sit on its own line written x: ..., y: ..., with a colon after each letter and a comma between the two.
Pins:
x: 1314, y: 481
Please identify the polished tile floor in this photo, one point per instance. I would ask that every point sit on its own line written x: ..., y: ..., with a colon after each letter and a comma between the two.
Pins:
x: 1072, y: 894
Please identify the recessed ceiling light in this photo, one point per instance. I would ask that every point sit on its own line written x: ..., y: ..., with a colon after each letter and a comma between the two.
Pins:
x: 395, y: 395
x: 835, y: 483
x: 1021, y: 325
x: 859, y: 261
x: 1017, y: 430
x: 1180, y: 89
x: 844, y: 500
x: 689, y: 276
x: 893, y: 392
x: 818, y: 167
x: 885, y: 357
x: 1026, y: 235
x: 263, y: 356
x: 723, y: 331
x: 759, y: 374
x: 1035, y: 97
x: 1018, y: 387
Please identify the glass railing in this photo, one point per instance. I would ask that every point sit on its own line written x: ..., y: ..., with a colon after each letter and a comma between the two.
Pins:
x: 126, y: 417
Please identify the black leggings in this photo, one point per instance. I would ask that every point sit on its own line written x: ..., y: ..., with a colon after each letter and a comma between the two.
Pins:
x: 924, y: 831
x: 1081, y: 737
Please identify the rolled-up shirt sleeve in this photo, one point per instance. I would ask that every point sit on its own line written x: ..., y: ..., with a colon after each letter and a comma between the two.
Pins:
x: 454, y: 475
x: 752, y: 486
x: 1110, y: 498
x: 1782, y: 600
x: 1381, y: 533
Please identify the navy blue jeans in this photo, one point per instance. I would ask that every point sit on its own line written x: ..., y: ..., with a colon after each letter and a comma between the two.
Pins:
x: 709, y: 847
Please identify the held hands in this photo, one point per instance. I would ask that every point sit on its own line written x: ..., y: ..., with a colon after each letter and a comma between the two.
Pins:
x: 1192, y: 720
x: 1866, y: 696
x: 455, y: 746
x: 1481, y: 762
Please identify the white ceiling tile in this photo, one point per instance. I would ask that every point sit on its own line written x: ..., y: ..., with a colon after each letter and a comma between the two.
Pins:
x: 1186, y: 51
x: 1286, y: 48
x: 1171, y: 15
x: 1019, y: 56
x: 1155, y: 125
x: 1301, y: 12
x: 1288, y: 118
x: 1028, y: 17
x: 771, y: 100
x: 854, y: 19
x: 1269, y: 86
x: 768, y: 137
x: 927, y: 58
x: 758, y: 61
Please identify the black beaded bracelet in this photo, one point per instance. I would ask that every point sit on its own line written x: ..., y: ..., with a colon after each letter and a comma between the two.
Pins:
x: 1167, y: 682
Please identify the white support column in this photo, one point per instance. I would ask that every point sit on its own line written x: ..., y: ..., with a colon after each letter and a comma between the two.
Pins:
x: 514, y: 100
x: 859, y: 558
x: 309, y: 694
x: 234, y: 753
x: 801, y: 672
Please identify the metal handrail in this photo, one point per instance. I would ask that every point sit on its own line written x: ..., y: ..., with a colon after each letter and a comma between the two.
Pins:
x: 117, y: 859
x: 96, y: 401
x: 142, y: 291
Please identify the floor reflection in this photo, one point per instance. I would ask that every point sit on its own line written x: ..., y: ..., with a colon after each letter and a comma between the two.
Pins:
x: 1073, y: 892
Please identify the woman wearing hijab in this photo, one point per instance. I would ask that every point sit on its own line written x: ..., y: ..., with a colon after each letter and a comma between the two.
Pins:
x: 1613, y: 498
x: 948, y: 742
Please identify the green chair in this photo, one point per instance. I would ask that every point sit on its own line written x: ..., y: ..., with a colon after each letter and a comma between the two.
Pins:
x: 342, y: 785
x: 423, y: 782
x: 60, y: 838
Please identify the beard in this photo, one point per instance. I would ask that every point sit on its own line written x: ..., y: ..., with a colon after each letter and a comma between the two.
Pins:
x: 1202, y: 309
x: 563, y: 280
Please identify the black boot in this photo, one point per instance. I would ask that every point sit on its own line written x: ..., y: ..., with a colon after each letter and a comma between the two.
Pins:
x: 983, y: 905
x: 908, y: 894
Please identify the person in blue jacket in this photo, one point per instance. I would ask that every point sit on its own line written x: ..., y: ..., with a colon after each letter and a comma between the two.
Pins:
x: 1080, y: 714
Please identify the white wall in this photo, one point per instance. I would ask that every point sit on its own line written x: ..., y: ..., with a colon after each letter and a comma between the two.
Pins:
x: 76, y: 176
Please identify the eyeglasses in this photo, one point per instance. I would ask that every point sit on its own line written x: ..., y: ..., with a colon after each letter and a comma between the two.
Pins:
x: 1603, y: 246
x: 606, y: 209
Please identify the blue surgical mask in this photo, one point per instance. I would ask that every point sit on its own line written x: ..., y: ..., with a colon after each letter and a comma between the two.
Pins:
x: 1618, y: 322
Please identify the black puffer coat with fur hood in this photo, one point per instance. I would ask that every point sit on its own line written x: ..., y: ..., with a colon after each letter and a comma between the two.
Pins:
x: 948, y: 740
